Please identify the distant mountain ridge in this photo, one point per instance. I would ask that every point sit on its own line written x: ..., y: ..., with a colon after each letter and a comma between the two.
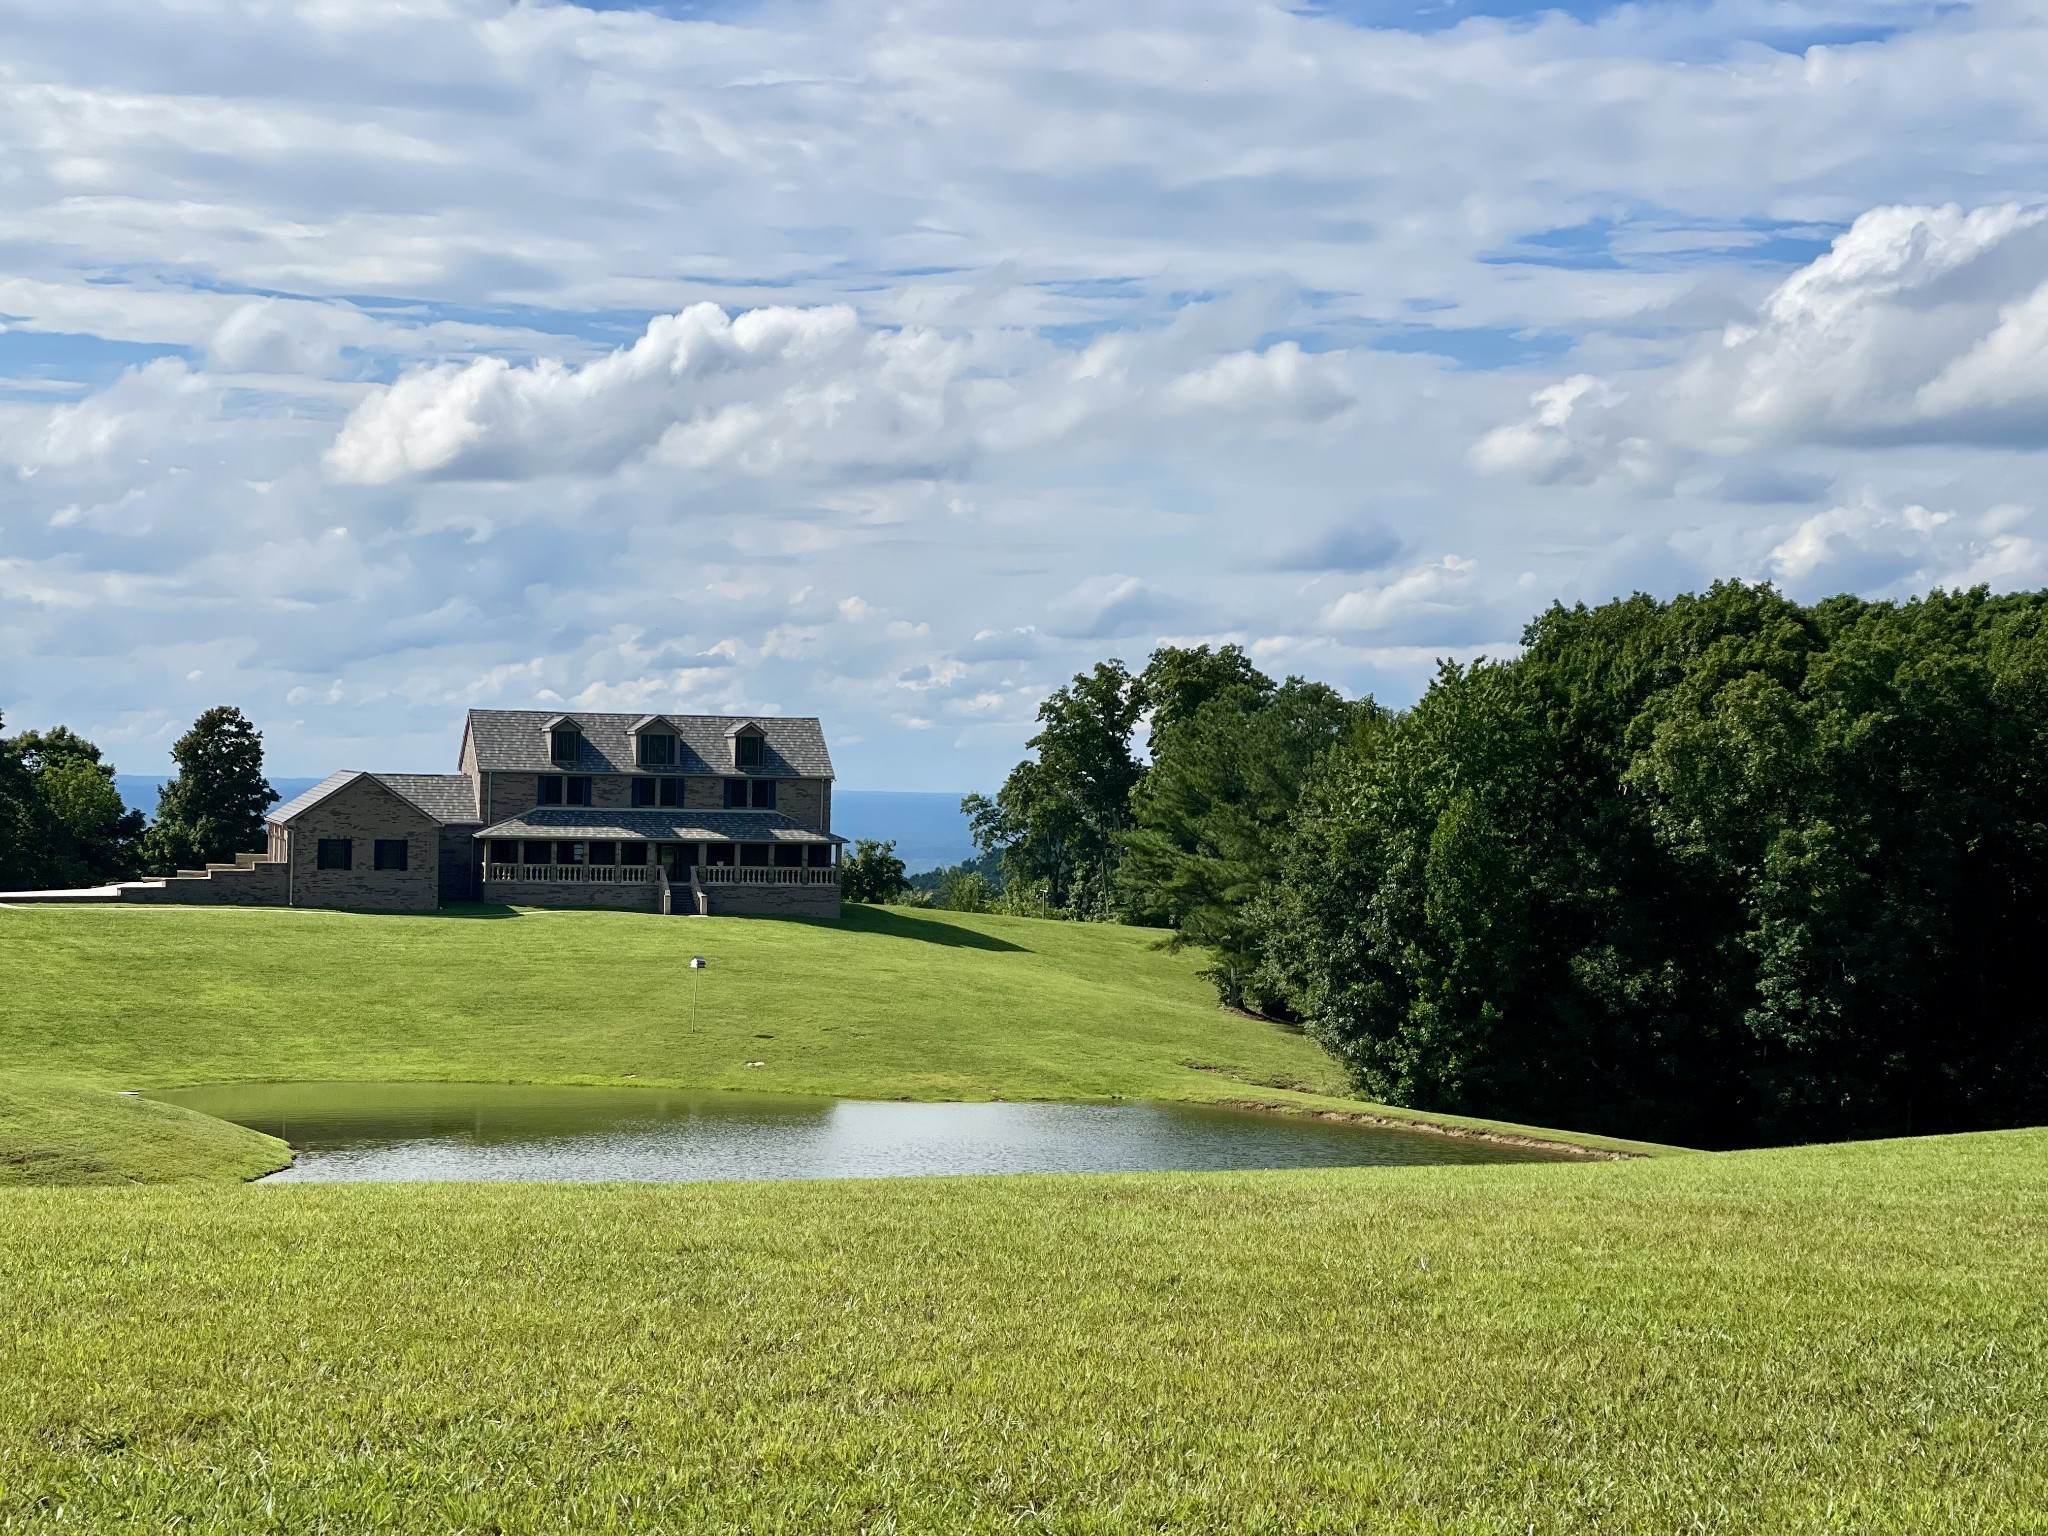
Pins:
x: 927, y: 827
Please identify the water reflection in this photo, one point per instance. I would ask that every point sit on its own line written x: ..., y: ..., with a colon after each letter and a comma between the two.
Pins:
x: 493, y: 1131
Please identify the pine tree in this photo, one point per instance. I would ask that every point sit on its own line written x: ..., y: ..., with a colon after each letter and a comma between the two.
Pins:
x: 213, y: 809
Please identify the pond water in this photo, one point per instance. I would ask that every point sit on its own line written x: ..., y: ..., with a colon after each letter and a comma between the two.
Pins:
x: 497, y: 1131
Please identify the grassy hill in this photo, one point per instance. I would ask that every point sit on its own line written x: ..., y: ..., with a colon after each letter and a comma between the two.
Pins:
x: 887, y: 1004
x: 1834, y: 1339
x: 56, y: 1132
x: 1841, y: 1339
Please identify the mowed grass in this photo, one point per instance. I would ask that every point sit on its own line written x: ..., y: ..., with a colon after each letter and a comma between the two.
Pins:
x: 1843, y: 1339
x: 74, y: 1133
x: 887, y: 1004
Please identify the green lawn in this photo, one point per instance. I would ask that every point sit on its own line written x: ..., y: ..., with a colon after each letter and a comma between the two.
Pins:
x: 1845, y: 1339
x: 887, y: 1004
x: 1839, y: 1339
x: 55, y: 1132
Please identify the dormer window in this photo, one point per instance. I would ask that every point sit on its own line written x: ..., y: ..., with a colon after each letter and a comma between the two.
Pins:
x: 657, y: 750
x: 746, y: 751
x: 565, y: 740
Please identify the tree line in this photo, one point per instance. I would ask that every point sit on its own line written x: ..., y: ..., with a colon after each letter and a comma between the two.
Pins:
x: 63, y: 825
x: 1723, y: 870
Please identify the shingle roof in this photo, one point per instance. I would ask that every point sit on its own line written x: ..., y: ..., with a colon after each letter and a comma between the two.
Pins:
x: 313, y: 796
x: 676, y: 826
x: 447, y: 797
x: 515, y: 741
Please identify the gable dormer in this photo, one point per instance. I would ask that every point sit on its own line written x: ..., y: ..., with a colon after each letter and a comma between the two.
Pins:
x: 565, y: 740
x: 748, y: 743
x: 655, y: 742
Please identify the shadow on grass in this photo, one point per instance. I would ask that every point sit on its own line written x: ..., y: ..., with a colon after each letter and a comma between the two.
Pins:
x: 899, y: 924
x: 467, y: 909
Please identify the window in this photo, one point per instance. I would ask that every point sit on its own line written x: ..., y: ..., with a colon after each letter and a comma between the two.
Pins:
x: 539, y: 853
x: 753, y: 853
x: 671, y: 791
x: 821, y: 855
x: 389, y: 853
x: 735, y: 794
x: 337, y: 853
x: 604, y: 853
x: 789, y: 855
x: 550, y: 789
x: 764, y: 794
x: 657, y: 751
x: 746, y: 751
x: 718, y: 853
x: 504, y: 853
x: 564, y: 744
x: 644, y: 791
x: 577, y: 787
x: 572, y: 853
x: 633, y: 853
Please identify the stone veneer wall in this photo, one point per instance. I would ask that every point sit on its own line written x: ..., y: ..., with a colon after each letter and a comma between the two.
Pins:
x: 510, y: 794
x: 364, y: 812
x: 820, y: 901
x: 537, y: 893
x: 249, y: 885
x: 804, y: 800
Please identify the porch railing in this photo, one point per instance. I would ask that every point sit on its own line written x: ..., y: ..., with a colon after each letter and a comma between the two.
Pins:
x: 573, y: 874
x: 756, y: 874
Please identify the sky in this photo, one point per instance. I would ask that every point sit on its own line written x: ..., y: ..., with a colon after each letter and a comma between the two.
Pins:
x: 365, y: 361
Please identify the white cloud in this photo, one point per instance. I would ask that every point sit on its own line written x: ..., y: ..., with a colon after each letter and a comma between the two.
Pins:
x: 370, y: 360
x: 1425, y: 592
x: 1919, y: 325
x: 1895, y: 550
x: 145, y: 406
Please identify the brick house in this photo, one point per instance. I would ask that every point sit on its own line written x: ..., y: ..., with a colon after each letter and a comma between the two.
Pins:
x: 648, y: 813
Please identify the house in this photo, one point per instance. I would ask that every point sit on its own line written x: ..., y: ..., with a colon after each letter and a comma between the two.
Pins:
x: 646, y: 813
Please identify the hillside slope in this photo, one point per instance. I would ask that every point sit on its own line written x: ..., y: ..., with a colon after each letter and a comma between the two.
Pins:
x: 55, y: 1132
x: 1822, y: 1340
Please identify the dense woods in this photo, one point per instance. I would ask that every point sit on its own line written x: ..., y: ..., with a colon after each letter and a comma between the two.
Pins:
x: 1723, y: 870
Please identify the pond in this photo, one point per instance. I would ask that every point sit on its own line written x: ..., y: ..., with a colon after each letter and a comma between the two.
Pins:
x: 498, y: 1131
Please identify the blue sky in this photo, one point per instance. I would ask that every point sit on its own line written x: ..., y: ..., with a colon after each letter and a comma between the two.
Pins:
x: 363, y: 362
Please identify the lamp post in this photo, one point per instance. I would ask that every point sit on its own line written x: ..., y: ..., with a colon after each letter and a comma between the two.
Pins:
x: 696, y: 965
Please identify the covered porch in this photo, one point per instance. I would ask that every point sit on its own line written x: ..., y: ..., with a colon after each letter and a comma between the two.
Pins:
x: 585, y: 857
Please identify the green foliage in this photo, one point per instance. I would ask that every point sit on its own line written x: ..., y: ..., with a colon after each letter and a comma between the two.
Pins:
x: 1213, y: 815
x: 965, y: 890
x: 213, y: 808
x: 62, y: 823
x: 1058, y: 818
x: 1813, y: 1342
x: 1720, y: 870
x: 1179, y: 680
x: 988, y: 869
x: 872, y: 872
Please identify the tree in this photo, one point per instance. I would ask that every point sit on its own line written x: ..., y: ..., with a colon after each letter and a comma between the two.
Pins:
x: 61, y: 820
x: 1212, y: 815
x: 965, y: 890
x: 872, y: 872
x: 1720, y: 870
x: 213, y: 808
x: 1179, y: 680
x: 1057, y: 818
x: 22, y: 826
x: 89, y: 835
